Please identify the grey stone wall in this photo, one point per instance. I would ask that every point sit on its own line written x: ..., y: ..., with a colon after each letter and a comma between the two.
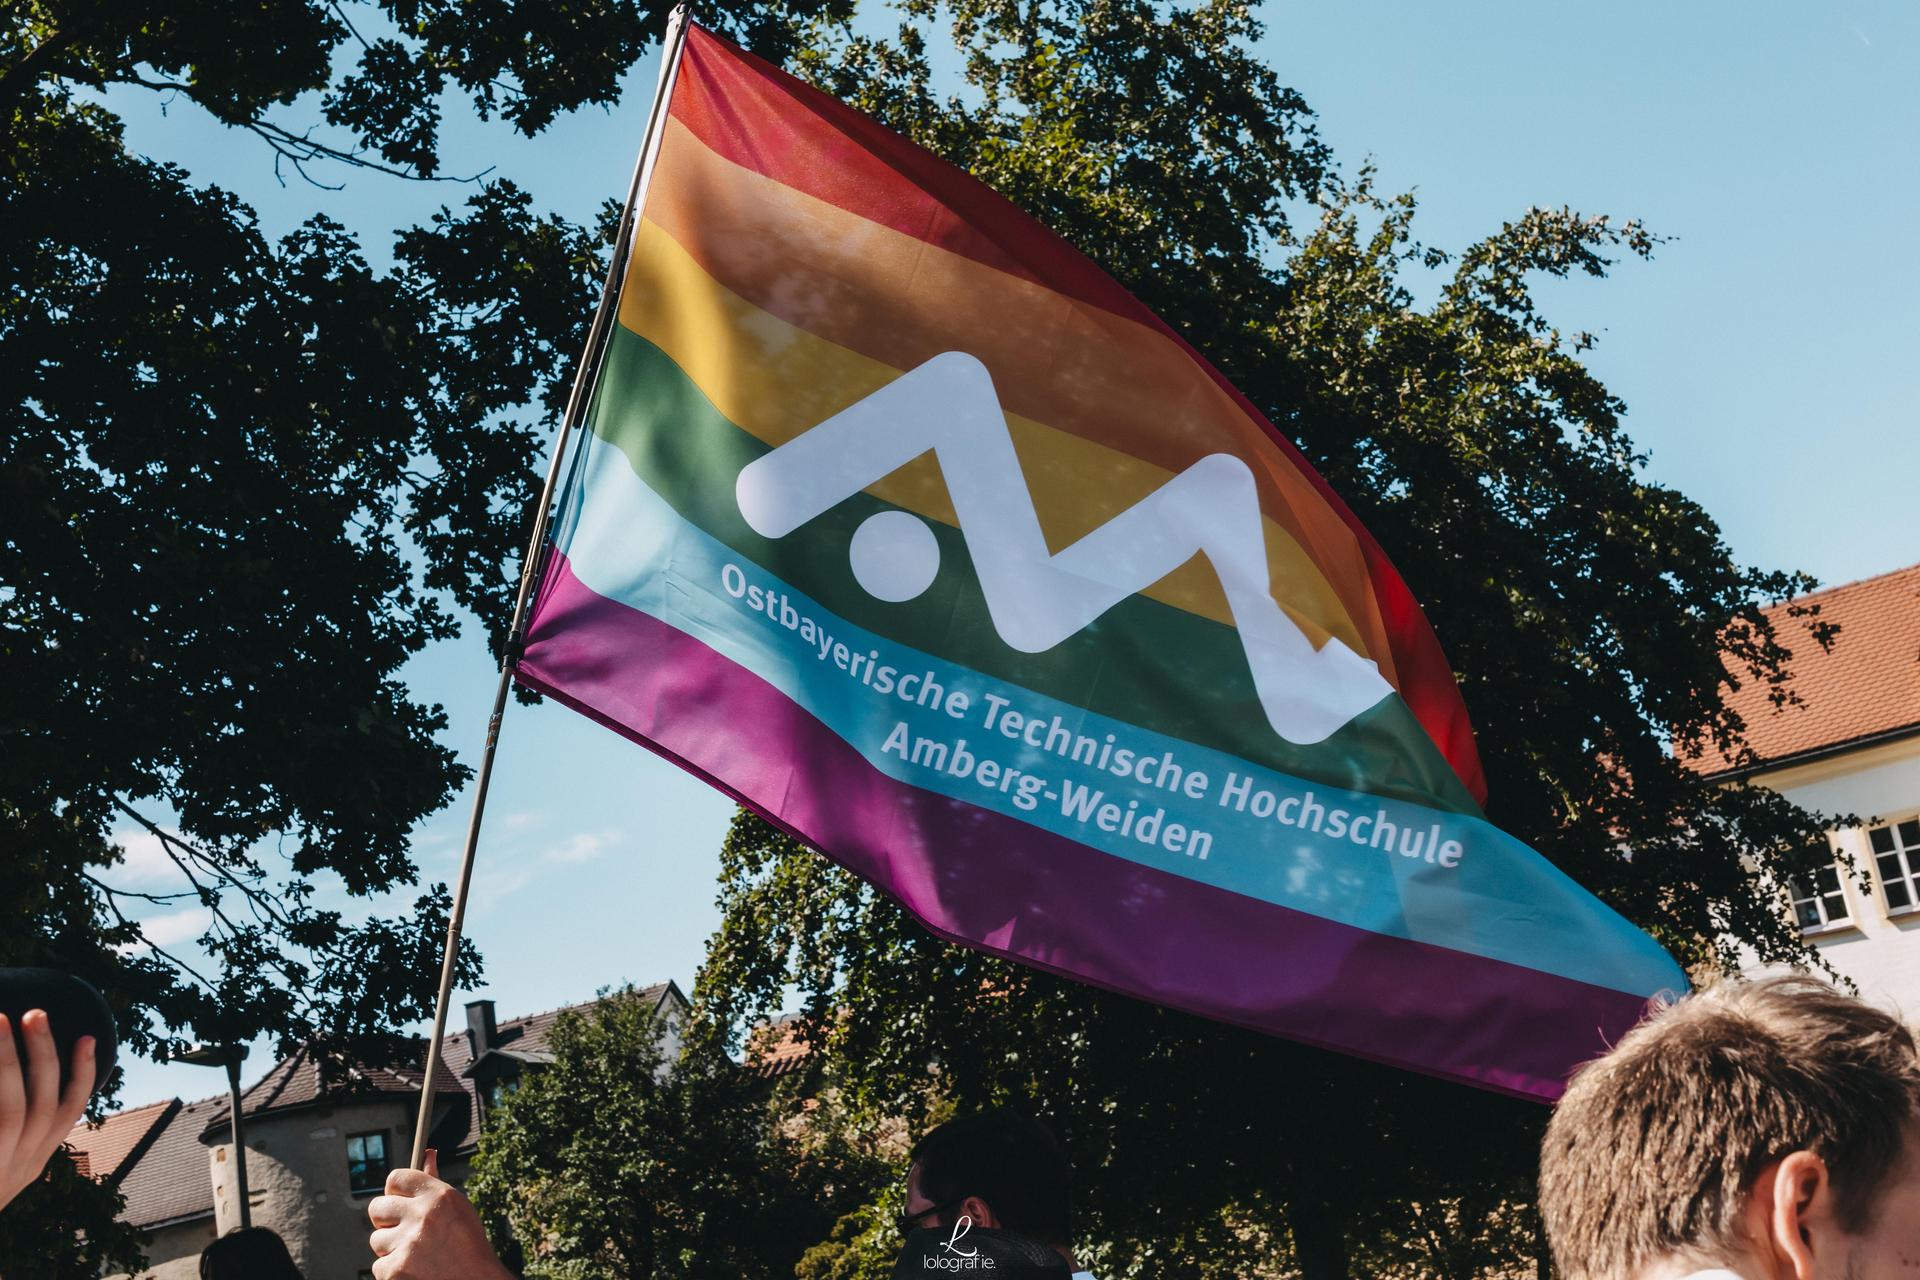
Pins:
x: 297, y: 1176
x: 174, y: 1252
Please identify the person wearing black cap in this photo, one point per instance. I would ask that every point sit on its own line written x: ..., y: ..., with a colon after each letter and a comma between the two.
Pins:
x: 992, y: 1175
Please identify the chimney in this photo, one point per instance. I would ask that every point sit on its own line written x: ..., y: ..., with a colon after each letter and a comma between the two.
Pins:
x: 481, y: 1031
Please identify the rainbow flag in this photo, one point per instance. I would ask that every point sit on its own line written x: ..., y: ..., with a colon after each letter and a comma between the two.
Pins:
x: 905, y: 525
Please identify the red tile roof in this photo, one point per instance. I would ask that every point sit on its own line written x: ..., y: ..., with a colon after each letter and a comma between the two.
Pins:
x: 171, y: 1181
x: 106, y: 1150
x: 778, y: 1046
x: 1865, y: 688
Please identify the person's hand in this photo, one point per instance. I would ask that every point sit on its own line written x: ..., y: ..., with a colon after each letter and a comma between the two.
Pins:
x: 427, y: 1230
x: 35, y: 1117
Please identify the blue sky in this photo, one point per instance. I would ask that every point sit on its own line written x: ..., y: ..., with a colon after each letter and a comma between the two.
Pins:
x: 1767, y: 356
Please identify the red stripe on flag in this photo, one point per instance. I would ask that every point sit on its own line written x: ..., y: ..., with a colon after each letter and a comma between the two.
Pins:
x: 763, y: 119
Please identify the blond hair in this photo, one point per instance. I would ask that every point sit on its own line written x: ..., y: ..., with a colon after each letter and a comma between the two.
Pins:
x: 1654, y: 1147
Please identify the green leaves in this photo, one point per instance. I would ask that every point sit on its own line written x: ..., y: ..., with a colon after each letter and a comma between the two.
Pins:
x: 622, y: 1161
x: 214, y: 448
x: 1586, y: 609
x: 36, y: 1236
x: 393, y: 101
x: 507, y: 294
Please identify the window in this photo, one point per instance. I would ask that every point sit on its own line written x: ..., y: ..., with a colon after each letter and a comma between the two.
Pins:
x: 367, y: 1165
x: 1818, y: 900
x: 497, y: 1091
x: 1896, y: 855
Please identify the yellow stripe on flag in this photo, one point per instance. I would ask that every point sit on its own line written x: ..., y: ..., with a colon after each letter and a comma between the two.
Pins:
x: 775, y: 380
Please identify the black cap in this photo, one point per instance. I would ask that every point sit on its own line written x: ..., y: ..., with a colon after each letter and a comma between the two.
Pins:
x: 73, y: 1008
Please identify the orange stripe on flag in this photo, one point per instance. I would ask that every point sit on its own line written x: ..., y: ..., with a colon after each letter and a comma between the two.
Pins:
x: 902, y: 301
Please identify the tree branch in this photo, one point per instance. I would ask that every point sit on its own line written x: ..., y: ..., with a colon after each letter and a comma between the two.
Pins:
x: 296, y: 149
x: 28, y: 70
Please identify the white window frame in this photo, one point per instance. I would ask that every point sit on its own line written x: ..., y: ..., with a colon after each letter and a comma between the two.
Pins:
x: 1903, y: 856
x: 1819, y: 899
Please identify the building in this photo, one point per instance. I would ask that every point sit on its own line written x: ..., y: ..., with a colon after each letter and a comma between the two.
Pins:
x: 317, y: 1151
x: 1851, y: 747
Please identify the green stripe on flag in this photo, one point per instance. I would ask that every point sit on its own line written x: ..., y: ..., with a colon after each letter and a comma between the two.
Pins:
x: 1201, y: 691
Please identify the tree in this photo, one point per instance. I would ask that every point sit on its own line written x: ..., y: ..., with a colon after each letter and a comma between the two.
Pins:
x: 617, y: 1162
x: 1595, y: 620
x: 36, y: 1231
x: 244, y: 481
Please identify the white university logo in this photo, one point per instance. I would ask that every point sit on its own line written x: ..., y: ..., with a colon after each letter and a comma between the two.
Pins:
x: 1038, y: 598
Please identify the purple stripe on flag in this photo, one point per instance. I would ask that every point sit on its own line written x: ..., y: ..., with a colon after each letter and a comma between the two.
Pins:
x: 1003, y: 886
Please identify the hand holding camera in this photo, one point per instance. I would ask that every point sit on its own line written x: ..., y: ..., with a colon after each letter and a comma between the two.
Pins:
x: 43, y: 1090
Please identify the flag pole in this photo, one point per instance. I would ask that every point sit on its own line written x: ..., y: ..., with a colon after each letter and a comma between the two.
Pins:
x: 670, y: 48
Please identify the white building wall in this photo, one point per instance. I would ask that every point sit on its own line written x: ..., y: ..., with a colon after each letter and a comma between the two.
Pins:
x: 1878, y: 948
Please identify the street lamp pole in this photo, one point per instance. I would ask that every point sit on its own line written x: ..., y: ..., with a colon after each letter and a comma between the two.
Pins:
x: 239, y: 1147
x: 230, y: 1057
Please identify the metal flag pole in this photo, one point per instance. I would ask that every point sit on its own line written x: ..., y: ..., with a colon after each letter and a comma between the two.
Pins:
x: 583, y: 380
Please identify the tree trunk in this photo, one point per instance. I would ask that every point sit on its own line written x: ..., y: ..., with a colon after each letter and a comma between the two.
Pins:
x: 1319, y: 1239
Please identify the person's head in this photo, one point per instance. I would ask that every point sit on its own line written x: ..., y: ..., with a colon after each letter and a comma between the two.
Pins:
x: 1000, y: 1169
x: 1770, y: 1128
x: 248, y: 1253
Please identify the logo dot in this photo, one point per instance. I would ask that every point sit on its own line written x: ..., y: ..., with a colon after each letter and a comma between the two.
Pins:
x: 894, y: 555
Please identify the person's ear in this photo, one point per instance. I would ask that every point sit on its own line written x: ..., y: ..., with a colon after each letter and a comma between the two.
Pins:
x: 978, y: 1210
x: 1798, y: 1229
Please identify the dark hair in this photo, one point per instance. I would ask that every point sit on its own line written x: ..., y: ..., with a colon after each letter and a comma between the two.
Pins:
x: 1009, y: 1160
x: 248, y: 1253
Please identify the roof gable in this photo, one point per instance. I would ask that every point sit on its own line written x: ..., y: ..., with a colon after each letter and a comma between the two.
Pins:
x: 105, y: 1151
x: 1865, y: 689
x: 297, y: 1081
x: 170, y: 1181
